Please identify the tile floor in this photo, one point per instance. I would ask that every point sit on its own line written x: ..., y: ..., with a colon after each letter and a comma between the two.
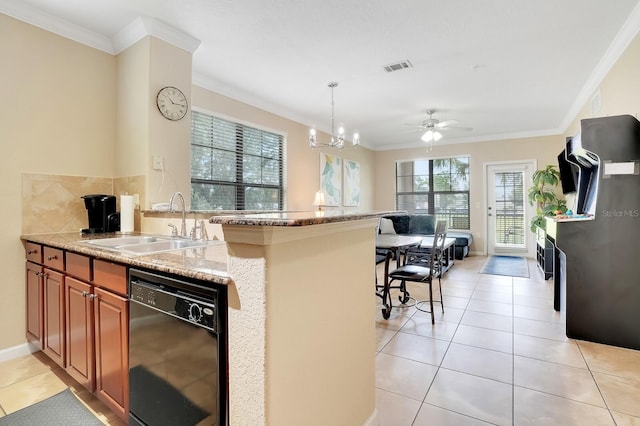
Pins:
x: 33, y: 378
x: 498, y: 355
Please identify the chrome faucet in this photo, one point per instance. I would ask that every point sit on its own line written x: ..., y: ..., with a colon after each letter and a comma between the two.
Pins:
x: 183, y: 226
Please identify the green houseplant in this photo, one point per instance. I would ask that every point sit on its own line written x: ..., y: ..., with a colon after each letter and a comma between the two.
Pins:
x: 543, y: 194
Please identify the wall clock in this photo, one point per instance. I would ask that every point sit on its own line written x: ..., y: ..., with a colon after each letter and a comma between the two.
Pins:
x: 172, y: 103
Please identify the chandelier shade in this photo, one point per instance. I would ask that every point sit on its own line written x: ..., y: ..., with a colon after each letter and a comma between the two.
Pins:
x: 337, y: 140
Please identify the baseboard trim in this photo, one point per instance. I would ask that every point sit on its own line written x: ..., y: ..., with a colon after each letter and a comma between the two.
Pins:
x: 373, y: 419
x: 17, y: 351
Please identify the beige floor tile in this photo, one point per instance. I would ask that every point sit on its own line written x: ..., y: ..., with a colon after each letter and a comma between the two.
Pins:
x: 533, y: 289
x: 417, y: 348
x: 495, y: 280
x: 490, y: 307
x: 472, y: 396
x: 611, y: 359
x: 544, y: 329
x: 484, y: 338
x: 394, y: 409
x: 492, y: 296
x: 459, y: 274
x: 566, y: 353
x: 535, y: 313
x: 396, y: 320
x: 536, y: 408
x: 383, y: 336
x: 17, y: 369
x: 479, y: 362
x: 421, y: 325
x: 455, y: 302
x: 486, y: 320
x: 625, y: 420
x: 450, y: 315
x: 457, y: 291
x: 538, y: 302
x: 430, y: 415
x: 495, y: 286
x: 403, y: 376
x: 569, y: 382
x: 29, y: 391
x: 457, y: 283
x: 621, y: 394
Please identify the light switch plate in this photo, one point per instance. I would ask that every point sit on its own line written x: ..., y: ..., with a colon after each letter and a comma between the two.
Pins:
x: 158, y: 162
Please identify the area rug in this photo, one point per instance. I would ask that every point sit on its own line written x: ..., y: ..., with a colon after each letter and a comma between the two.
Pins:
x: 62, y: 409
x: 506, y: 265
x: 168, y: 407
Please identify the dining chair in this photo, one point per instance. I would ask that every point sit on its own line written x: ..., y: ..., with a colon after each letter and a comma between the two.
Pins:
x: 423, y: 265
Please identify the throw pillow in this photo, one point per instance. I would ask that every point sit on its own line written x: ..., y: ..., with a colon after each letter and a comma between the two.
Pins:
x: 386, y: 226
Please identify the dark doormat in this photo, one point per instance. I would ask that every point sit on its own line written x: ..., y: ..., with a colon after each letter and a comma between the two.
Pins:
x: 506, y: 265
x: 62, y: 409
x: 164, y: 404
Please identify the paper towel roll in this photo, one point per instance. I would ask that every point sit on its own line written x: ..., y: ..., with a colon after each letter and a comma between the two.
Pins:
x: 126, y: 213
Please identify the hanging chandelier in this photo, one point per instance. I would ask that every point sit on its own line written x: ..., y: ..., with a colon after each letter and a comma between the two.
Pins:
x: 337, y: 140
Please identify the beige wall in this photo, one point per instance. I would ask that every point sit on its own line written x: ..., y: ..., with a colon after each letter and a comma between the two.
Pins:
x: 303, y: 163
x: 57, y: 117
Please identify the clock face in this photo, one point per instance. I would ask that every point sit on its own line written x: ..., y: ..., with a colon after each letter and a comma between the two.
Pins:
x: 172, y: 103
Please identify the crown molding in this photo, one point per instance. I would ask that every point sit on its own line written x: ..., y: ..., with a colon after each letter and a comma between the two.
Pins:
x: 623, y: 38
x: 125, y: 38
x: 51, y: 23
x: 144, y: 26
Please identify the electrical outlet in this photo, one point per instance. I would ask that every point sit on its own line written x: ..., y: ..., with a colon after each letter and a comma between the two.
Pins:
x: 158, y: 162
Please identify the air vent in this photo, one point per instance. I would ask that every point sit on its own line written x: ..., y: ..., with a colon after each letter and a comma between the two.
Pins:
x: 398, y: 66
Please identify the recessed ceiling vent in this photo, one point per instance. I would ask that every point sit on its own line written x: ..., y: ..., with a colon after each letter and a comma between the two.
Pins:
x: 398, y: 66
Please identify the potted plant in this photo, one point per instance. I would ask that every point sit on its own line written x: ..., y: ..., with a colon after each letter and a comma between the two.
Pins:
x: 543, y: 194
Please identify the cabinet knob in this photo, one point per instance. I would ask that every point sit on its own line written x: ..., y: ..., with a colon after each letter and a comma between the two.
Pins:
x: 92, y: 296
x: 32, y: 251
x: 85, y: 293
x: 52, y: 257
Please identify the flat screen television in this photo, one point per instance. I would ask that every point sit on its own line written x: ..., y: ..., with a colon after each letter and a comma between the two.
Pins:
x: 568, y: 174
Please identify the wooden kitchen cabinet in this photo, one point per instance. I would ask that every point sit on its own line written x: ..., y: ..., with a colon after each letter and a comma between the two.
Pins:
x: 80, y: 356
x: 54, y: 330
x: 112, y: 354
x: 35, y: 306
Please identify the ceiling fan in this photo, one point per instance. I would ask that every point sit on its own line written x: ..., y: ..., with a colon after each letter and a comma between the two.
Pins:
x: 432, y: 127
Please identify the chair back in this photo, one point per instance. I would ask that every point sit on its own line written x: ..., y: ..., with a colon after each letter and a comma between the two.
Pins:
x: 437, y: 251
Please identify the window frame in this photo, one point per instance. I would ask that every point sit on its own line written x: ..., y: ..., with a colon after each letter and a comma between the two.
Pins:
x: 432, y: 194
x: 239, y: 184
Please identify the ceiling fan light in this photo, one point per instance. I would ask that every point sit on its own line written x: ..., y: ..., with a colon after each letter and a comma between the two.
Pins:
x: 437, y: 136
x: 427, y: 136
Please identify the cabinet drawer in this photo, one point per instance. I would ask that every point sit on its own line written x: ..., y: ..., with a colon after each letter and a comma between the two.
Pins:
x: 53, y: 258
x: 79, y: 266
x: 111, y: 276
x: 33, y: 252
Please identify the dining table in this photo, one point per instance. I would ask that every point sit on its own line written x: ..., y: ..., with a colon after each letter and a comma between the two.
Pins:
x: 393, y: 245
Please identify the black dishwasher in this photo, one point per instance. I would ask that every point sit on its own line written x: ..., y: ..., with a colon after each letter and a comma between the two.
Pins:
x: 177, y: 353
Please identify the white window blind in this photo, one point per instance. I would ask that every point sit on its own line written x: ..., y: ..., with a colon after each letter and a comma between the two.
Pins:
x: 235, y: 166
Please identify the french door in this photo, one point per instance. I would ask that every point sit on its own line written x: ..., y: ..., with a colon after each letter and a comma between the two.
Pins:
x: 508, y: 211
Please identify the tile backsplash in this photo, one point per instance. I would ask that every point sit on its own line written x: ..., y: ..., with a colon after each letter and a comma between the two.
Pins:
x: 52, y: 203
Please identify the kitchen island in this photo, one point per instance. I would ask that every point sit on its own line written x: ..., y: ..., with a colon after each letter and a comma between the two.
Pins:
x: 302, y: 318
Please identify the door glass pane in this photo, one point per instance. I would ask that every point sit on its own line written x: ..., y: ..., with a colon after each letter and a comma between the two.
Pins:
x: 510, y: 208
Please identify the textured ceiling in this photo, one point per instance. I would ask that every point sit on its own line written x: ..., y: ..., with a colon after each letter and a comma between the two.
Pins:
x: 503, y: 68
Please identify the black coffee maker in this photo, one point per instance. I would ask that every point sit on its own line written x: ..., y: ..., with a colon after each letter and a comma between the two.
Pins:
x: 102, y: 213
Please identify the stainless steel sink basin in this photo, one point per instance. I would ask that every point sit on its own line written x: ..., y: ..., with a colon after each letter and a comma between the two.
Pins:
x: 146, y: 244
x: 160, y: 246
x: 123, y: 241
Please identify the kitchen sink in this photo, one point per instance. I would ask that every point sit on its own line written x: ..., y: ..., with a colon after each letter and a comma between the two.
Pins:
x: 123, y: 241
x: 148, y: 244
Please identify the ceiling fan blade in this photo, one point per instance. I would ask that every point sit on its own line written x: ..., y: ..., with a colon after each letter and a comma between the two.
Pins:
x: 446, y: 123
x: 456, y: 128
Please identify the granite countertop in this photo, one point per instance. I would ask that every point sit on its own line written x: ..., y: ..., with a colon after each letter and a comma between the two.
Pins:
x: 206, y: 263
x: 304, y: 218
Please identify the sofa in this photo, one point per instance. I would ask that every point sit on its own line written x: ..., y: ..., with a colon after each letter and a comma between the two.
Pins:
x: 424, y: 225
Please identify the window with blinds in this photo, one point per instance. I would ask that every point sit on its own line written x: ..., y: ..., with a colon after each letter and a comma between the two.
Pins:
x: 439, y: 187
x: 235, y: 166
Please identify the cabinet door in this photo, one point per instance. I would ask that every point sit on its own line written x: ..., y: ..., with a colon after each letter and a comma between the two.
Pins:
x: 34, y: 308
x: 79, y: 327
x: 53, y: 290
x: 112, y: 358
